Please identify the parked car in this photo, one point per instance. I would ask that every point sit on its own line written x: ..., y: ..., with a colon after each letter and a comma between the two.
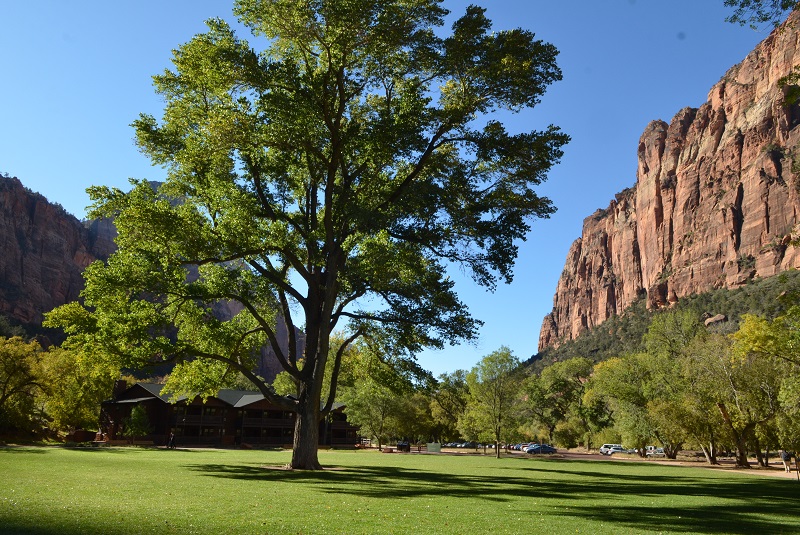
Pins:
x: 541, y: 448
x: 657, y: 452
x: 605, y: 449
x: 616, y: 448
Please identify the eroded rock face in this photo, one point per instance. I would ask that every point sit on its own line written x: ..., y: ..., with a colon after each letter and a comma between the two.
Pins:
x: 715, y: 203
x: 44, y: 252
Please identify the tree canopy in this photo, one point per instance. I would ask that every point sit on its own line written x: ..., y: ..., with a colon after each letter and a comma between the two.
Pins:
x: 328, y: 182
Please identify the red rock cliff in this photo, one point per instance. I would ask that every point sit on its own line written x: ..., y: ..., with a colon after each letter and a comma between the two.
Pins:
x: 44, y: 251
x: 715, y: 204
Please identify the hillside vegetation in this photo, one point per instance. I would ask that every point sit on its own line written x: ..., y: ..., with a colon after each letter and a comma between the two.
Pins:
x: 623, y: 334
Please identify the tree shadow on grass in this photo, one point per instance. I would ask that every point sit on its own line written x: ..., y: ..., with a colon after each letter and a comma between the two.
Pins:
x: 90, y: 449
x: 21, y: 449
x: 628, y: 500
x: 735, y: 519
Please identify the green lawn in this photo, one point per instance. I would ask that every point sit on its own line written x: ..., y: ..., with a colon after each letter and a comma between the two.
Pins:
x: 51, y: 491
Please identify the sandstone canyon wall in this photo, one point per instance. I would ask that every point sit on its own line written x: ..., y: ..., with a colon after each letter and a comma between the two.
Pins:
x: 715, y: 204
x: 44, y: 251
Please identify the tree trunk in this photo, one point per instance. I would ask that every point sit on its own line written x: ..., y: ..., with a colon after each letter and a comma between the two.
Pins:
x: 759, y: 455
x: 709, y: 453
x: 739, y: 438
x: 741, y: 453
x: 306, y: 437
x: 671, y: 452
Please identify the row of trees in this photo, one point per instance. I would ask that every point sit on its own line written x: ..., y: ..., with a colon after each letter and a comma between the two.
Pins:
x: 705, y: 390
x: 690, y: 388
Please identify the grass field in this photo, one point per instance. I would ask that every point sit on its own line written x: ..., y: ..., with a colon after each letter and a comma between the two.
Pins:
x: 49, y: 491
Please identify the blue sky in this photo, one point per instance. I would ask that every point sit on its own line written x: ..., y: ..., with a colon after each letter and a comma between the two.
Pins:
x: 74, y: 75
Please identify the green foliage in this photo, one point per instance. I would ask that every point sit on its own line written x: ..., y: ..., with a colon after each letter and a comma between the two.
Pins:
x: 374, y: 408
x: 284, y: 385
x: 329, y: 179
x: 777, y: 339
x: 771, y: 346
x: 74, y: 387
x: 621, y: 383
x: 687, y: 384
x: 494, y: 386
x: 19, y: 384
x: 416, y: 422
x: 616, y: 336
x: 554, y: 400
x: 624, y: 334
x: 670, y: 332
x: 788, y: 420
x: 755, y: 13
x: 137, y: 425
x: 9, y: 330
x: 382, y: 398
x: 448, y: 402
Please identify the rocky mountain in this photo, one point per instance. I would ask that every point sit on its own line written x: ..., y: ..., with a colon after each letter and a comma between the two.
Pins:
x: 716, y: 201
x: 45, y: 250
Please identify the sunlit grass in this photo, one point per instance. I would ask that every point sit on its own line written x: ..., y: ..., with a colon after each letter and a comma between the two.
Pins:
x: 131, y: 491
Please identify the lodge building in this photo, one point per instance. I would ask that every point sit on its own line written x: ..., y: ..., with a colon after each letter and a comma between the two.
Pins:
x: 231, y: 418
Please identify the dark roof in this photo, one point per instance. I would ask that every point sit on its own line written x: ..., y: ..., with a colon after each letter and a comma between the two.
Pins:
x: 140, y: 391
x: 156, y: 389
x: 234, y: 398
x: 132, y: 400
x: 239, y: 398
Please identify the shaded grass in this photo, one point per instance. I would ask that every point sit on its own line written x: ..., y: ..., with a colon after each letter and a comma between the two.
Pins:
x: 48, y: 491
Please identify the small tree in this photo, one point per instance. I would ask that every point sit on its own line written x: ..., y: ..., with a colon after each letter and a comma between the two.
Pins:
x: 493, y: 394
x: 137, y: 425
x: 556, y: 395
x: 449, y: 401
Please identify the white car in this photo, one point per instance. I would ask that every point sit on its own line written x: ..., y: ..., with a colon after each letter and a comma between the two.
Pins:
x: 616, y: 448
x: 605, y: 449
x: 657, y: 452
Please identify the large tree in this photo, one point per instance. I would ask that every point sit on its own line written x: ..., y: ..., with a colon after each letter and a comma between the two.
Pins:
x: 329, y: 181
x: 20, y: 383
x: 555, y: 396
x: 73, y: 388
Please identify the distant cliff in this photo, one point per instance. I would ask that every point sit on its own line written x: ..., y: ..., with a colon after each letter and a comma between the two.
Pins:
x: 716, y: 201
x: 44, y: 251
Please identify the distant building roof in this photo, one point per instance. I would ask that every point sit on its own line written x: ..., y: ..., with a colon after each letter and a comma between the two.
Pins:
x: 234, y: 398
